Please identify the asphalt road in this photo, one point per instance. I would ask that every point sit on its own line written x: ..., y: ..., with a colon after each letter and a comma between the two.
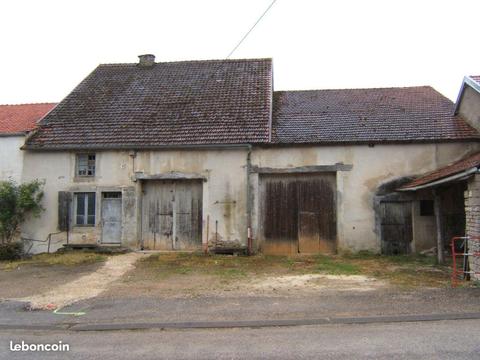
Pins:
x: 458, y: 339
x: 148, y: 309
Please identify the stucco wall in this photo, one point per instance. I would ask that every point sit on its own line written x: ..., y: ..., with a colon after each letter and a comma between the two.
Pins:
x: 11, y: 158
x: 470, y: 107
x: 372, y: 166
x: 224, y: 193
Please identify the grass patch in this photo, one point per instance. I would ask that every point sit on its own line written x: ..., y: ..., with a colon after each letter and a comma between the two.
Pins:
x: 407, y: 271
x: 414, y: 259
x: 56, y: 259
x: 335, y: 266
x: 223, y: 267
x: 401, y: 271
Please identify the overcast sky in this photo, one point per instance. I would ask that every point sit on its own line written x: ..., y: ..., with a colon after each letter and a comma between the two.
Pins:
x: 49, y: 46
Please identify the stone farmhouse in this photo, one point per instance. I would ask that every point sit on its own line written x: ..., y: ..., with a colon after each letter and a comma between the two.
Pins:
x: 195, y: 155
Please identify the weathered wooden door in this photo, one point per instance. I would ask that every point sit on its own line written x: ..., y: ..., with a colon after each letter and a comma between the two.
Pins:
x: 308, y: 232
x: 298, y: 213
x: 188, y: 215
x: 396, y: 227
x: 172, y: 215
x: 111, y: 217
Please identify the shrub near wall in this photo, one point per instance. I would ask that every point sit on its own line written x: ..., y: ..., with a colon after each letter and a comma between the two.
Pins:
x: 17, y: 203
x: 11, y: 251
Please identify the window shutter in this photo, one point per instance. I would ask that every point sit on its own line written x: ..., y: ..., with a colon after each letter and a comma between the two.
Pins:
x: 64, y: 201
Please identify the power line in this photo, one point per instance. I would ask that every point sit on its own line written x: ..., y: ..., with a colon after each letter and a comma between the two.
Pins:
x: 220, y: 65
x: 251, y: 29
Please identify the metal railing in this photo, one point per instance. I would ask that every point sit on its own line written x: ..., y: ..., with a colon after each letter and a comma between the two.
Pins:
x: 47, y: 241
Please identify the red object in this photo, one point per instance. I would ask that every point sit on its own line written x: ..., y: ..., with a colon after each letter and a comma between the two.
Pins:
x: 23, y: 117
x: 456, y: 272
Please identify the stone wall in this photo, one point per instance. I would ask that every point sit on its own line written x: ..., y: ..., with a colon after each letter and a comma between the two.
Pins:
x: 472, y: 215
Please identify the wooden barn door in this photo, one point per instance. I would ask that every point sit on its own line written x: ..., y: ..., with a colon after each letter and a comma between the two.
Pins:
x: 396, y: 227
x: 298, y: 213
x: 172, y: 215
x: 188, y: 215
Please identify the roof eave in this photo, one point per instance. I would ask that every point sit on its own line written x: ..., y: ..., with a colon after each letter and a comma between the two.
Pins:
x: 134, y: 147
x: 12, y: 134
x: 457, y: 176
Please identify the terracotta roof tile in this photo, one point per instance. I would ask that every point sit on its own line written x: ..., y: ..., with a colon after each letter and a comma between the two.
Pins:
x: 452, y: 169
x: 366, y: 116
x: 176, y: 103
x: 23, y: 117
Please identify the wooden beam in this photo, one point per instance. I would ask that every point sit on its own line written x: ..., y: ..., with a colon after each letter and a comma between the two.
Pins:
x: 302, y: 169
x: 172, y: 175
x: 438, y: 223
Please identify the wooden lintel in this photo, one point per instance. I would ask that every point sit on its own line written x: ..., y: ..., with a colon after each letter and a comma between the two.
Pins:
x: 174, y: 175
x: 302, y: 169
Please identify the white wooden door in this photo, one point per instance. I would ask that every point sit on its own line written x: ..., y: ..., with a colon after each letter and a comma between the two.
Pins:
x: 111, y: 218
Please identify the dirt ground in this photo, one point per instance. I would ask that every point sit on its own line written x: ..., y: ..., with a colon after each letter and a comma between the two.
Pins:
x: 191, y: 275
x: 187, y: 275
x: 31, y: 279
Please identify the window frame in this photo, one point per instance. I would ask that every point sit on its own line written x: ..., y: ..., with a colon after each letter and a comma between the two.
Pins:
x: 85, y: 214
x: 88, y: 165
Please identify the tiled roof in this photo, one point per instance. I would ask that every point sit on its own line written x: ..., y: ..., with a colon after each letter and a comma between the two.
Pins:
x: 21, y: 118
x: 452, y: 169
x: 168, y: 104
x: 411, y: 114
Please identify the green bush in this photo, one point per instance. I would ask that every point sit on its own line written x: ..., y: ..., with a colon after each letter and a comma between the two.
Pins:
x: 11, y: 251
x: 16, y: 203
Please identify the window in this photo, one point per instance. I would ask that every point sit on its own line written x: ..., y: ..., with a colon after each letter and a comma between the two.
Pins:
x: 426, y: 208
x: 85, y: 165
x: 85, y: 209
x: 112, y: 195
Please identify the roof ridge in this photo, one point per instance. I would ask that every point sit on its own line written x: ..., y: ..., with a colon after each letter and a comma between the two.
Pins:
x: 362, y: 88
x: 193, y: 61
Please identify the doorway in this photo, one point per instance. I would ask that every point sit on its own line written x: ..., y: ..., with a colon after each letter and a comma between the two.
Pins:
x: 111, y: 217
x: 298, y: 213
x: 396, y: 227
x: 172, y: 214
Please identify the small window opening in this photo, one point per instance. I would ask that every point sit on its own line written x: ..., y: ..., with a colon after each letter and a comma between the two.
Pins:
x: 85, y: 164
x: 112, y: 195
x: 426, y: 208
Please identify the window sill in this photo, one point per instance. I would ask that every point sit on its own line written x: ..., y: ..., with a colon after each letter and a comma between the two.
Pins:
x: 84, y: 179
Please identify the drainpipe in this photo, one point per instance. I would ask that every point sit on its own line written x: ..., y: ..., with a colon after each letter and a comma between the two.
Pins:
x: 249, y: 202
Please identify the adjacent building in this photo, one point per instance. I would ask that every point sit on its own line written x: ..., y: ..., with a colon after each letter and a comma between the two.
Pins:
x: 16, y: 121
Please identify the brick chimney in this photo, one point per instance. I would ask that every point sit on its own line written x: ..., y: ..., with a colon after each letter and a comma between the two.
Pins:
x: 146, y: 60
